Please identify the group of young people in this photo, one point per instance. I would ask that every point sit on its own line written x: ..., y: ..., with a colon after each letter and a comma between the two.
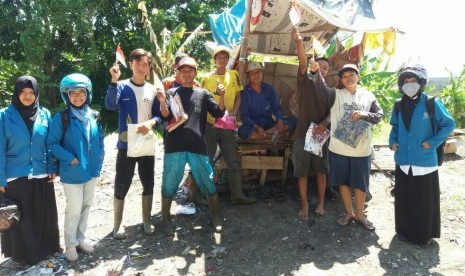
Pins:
x: 34, y: 148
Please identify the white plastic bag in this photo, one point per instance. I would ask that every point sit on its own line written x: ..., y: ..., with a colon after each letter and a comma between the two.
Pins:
x: 314, y: 142
x: 139, y: 144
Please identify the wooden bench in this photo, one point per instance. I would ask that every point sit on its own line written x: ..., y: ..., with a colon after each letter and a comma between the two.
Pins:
x: 263, y: 156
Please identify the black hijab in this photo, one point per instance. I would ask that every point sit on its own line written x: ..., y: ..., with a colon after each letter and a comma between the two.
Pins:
x: 28, y: 113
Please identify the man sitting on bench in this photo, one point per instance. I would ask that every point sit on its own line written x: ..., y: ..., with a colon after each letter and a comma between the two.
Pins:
x: 259, y: 104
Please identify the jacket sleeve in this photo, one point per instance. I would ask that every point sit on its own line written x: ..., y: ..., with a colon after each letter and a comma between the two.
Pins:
x: 393, y: 135
x: 156, y: 114
x: 3, y: 182
x: 54, y: 141
x: 275, y: 106
x: 375, y: 114
x: 102, y: 144
x: 212, y: 106
x: 52, y: 164
x: 112, y: 97
x: 244, y: 108
x: 445, y: 124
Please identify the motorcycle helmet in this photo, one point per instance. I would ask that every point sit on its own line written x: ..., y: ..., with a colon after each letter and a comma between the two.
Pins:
x: 417, y: 71
x: 74, y: 81
x: 9, y: 214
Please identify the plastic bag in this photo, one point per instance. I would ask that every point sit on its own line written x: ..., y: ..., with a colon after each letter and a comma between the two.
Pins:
x: 314, y: 141
x: 140, y: 144
x: 226, y: 122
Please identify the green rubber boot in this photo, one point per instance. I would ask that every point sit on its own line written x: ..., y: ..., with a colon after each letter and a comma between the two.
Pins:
x: 168, y: 227
x: 118, y: 207
x: 214, y: 205
x: 235, y: 188
x: 147, y: 200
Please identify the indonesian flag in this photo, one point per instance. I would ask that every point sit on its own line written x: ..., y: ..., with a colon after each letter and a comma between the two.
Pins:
x: 120, y: 56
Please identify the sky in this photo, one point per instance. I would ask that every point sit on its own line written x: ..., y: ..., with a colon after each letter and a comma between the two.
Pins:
x: 433, y: 33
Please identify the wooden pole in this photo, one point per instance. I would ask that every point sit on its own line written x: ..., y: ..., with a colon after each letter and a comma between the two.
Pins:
x: 245, y: 42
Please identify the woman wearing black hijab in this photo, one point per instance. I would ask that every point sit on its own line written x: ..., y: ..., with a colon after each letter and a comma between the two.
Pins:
x: 27, y: 171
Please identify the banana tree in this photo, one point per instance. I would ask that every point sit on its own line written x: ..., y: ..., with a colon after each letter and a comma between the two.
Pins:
x: 170, y: 43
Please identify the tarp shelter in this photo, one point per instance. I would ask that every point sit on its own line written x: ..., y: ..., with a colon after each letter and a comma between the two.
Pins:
x: 270, y: 24
x: 270, y: 27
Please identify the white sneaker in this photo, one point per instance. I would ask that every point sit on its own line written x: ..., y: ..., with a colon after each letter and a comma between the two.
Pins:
x: 86, y: 248
x: 71, y: 254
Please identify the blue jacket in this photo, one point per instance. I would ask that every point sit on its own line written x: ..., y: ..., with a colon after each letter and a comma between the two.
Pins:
x: 258, y: 108
x: 122, y: 98
x: 75, y: 145
x: 23, y: 154
x: 410, y: 150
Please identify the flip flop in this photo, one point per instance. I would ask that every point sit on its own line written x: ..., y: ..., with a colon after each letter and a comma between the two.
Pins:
x: 344, y: 220
x: 366, y: 224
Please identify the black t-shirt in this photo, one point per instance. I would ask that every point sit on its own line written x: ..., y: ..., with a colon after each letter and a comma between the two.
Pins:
x: 190, y: 135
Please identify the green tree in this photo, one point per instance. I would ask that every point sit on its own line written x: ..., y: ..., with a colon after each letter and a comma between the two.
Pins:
x: 453, y: 96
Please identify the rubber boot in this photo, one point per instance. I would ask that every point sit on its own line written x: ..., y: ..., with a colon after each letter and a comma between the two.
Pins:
x: 195, y: 195
x: 147, y: 200
x: 214, y: 205
x: 235, y: 188
x: 167, y: 225
x: 118, y: 207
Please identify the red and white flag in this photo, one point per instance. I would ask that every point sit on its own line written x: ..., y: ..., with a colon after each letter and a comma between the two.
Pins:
x: 120, y: 56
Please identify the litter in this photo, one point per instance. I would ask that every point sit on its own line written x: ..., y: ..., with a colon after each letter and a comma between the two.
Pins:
x: 188, y: 209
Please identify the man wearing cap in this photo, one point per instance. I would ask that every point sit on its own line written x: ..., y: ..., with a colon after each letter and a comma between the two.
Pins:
x: 352, y: 108
x: 259, y: 104
x: 172, y: 82
x: 186, y: 145
x: 224, y: 81
x: 311, y: 109
x: 175, y: 80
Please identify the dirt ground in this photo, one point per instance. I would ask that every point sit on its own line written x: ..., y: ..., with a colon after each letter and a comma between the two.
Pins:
x: 267, y: 238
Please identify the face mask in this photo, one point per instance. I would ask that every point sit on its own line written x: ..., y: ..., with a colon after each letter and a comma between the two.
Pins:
x: 411, y: 88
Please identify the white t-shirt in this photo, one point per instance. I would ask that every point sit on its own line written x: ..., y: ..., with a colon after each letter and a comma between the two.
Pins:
x: 145, y: 95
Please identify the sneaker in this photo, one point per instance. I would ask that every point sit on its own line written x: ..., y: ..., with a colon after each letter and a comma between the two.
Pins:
x: 86, y: 248
x: 71, y: 254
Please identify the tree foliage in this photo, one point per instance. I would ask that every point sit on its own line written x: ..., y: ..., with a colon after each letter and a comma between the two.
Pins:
x: 453, y: 97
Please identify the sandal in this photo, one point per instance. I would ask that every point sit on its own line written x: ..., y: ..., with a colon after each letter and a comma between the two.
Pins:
x: 344, y: 220
x: 366, y: 223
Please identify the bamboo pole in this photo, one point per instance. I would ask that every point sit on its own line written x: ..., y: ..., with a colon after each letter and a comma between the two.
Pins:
x: 245, y: 42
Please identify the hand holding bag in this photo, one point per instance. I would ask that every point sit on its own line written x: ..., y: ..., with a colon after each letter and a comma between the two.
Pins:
x: 140, y: 144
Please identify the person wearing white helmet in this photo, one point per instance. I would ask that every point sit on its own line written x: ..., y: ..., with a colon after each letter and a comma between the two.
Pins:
x: 225, y: 81
x: 27, y: 171
x: 76, y: 141
x: 414, y: 142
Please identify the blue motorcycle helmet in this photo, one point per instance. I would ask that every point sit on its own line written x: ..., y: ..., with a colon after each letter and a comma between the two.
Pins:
x: 74, y: 81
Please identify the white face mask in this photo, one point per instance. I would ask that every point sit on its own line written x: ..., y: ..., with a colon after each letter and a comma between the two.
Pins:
x: 411, y: 88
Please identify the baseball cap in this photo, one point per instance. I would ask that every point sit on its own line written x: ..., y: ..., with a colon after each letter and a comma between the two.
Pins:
x: 348, y: 67
x: 253, y: 66
x: 221, y: 48
x: 187, y: 61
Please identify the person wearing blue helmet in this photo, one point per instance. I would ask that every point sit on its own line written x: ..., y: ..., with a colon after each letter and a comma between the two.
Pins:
x: 414, y: 141
x: 27, y: 170
x: 76, y: 141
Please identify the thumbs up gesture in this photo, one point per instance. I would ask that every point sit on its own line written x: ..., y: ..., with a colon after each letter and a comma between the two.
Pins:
x: 220, y: 89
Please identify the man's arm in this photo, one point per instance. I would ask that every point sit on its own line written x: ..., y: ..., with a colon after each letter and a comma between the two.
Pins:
x: 297, y: 38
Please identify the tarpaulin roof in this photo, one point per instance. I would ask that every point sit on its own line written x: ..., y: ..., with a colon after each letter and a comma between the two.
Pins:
x: 270, y: 25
